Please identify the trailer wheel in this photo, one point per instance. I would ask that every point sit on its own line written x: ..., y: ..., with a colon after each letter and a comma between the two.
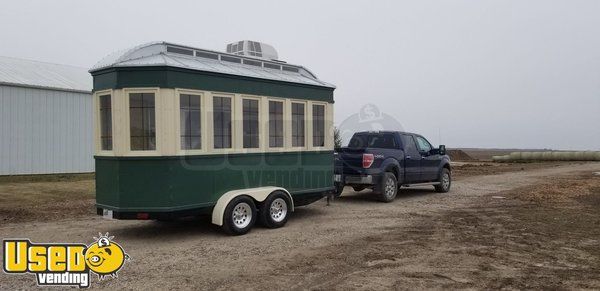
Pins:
x: 388, y: 187
x: 274, y: 210
x: 239, y: 216
x: 445, y: 181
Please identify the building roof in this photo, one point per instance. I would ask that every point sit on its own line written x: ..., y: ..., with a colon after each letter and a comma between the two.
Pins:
x: 27, y: 73
x: 174, y: 55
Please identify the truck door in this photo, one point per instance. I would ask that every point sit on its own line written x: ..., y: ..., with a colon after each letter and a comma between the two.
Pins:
x: 412, y: 159
x: 430, y: 163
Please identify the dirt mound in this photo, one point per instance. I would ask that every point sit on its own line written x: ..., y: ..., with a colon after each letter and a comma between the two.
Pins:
x: 459, y: 155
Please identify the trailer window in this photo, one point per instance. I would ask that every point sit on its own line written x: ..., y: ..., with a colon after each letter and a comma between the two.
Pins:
x: 275, y: 124
x: 142, y: 121
x: 222, y: 122
x: 297, y: 124
x: 250, y: 120
x: 105, y: 123
x: 190, y: 122
x: 271, y: 66
x: 318, y: 125
x: 291, y: 69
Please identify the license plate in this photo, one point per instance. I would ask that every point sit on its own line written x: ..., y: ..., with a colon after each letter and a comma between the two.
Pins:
x: 337, y: 178
x: 108, y: 214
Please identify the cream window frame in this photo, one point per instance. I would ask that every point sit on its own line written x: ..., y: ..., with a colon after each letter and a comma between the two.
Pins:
x: 211, y: 129
x: 306, y: 133
x: 158, y: 120
x: 97, y: 126
x: 203, y: 121
x: 329, y: 127
x: 168, y: 131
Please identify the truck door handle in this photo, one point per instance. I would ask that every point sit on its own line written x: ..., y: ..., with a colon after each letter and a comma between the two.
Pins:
x: 408, y: 157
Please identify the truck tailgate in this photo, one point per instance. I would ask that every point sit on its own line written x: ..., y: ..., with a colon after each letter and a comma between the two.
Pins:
x: 351, y: 160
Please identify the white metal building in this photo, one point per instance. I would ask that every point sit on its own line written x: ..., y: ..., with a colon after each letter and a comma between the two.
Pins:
x: 45, y: 118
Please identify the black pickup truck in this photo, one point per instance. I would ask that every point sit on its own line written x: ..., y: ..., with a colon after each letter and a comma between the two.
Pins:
x: 387, y: 160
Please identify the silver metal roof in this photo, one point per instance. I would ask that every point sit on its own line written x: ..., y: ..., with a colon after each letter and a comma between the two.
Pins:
x: 27, y: 73
x: 174, y: 55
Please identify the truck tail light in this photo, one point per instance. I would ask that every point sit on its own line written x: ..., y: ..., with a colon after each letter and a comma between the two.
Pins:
x: 368, y: 160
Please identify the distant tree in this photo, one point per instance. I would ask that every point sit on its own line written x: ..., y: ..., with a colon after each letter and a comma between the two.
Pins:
x: 337, y: 138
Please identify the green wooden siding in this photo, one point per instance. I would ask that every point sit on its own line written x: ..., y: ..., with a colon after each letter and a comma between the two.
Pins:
x: 187, y: 182
x: 169, y: 77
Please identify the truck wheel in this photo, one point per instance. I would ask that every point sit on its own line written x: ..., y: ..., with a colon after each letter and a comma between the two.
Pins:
x: 388, y: 188
x: 445, y: 182
x: 274, y: 210
x: 239, y: 216
x: 358, y: 188
x: 339, y: 188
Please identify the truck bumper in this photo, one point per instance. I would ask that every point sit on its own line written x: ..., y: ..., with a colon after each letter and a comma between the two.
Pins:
x: 361, y: 179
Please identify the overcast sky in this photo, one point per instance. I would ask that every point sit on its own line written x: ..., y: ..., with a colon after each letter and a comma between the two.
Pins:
x: 498, y: 74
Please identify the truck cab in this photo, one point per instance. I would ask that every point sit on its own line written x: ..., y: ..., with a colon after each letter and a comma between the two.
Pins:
x: 386, y: 160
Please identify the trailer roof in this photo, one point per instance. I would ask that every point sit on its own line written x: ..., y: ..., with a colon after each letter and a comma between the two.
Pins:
x: 35, y: 74
x: 174, y: 55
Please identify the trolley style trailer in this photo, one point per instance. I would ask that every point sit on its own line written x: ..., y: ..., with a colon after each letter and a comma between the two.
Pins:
x: 184, y: 131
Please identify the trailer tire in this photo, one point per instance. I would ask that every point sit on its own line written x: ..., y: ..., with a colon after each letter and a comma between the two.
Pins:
x: 239, y: 216
x: 274, y: 211
x: 388, y: 187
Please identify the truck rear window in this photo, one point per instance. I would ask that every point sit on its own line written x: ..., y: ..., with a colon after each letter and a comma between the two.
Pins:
x: 381, y: 141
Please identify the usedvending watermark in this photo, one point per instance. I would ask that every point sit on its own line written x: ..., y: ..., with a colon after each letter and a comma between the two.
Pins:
x: 64, y: 264
x: 369, y: 118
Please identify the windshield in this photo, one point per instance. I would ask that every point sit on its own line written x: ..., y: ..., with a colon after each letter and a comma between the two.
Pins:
x: 375, y: 140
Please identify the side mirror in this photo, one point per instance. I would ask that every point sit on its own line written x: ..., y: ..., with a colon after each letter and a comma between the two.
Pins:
x: 442, y: 150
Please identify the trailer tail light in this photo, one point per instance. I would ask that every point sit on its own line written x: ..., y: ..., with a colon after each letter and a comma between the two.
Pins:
x: 143, y: 215
x: 368, y: 160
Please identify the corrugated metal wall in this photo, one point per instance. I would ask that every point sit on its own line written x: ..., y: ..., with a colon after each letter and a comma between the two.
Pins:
x: 45, y: 131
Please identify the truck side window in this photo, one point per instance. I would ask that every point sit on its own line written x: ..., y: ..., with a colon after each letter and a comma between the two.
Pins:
x: 410, y: 147
x: 423, y: 144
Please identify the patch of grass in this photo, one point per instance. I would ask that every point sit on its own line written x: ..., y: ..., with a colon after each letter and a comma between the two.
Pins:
x: 58, y: 198
x: 46, y: 178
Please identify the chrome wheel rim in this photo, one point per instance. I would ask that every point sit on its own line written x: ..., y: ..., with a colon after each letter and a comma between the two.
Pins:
x: 390, y: 188
x: 242, y: 215
x: 278, y: 210
x: 446, y: 181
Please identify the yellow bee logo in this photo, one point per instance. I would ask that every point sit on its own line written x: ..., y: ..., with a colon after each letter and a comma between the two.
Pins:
x: 105, y: 257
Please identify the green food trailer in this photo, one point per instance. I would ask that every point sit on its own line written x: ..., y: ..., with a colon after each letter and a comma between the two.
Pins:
x: 182, y: 131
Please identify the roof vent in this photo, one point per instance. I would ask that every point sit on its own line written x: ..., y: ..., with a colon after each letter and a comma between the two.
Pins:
x: 252, y: 49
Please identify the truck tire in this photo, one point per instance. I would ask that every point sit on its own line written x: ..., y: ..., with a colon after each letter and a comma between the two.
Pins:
x: 388, y: 187
x: 239, y: 216
x: 274, y: 210
x: 339, y: 188
x: 445, y: 181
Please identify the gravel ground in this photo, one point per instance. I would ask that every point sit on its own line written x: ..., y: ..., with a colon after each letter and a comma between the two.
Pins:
x: 468, y: 238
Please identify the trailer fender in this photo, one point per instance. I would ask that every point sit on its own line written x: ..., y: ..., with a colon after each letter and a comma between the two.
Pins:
x: 258, y: 194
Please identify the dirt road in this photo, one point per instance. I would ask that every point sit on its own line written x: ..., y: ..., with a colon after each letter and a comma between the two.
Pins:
x: 473, y: 237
